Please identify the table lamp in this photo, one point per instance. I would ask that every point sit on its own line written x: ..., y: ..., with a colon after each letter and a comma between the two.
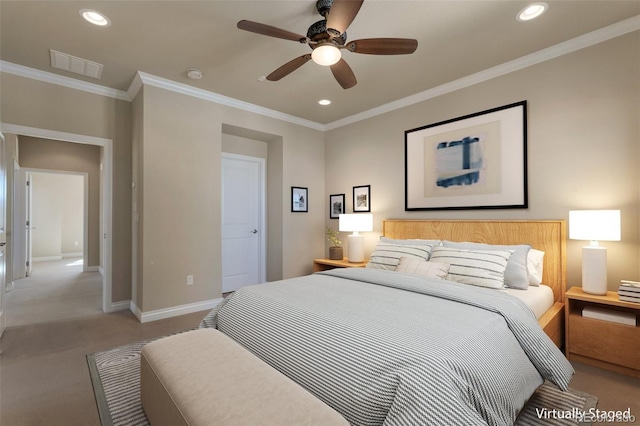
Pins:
x: 594, y: 225
x: 356, y: 223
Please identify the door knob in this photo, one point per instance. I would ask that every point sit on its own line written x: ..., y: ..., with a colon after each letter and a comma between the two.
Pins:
x: 255, y: 231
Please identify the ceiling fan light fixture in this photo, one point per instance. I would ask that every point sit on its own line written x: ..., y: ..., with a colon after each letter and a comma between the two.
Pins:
x: 324, y: 102
x: 532, y: 11
x: 326, y: 55
x: 94, y: 17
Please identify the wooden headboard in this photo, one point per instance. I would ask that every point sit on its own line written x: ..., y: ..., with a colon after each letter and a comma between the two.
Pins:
x: 546, y: 235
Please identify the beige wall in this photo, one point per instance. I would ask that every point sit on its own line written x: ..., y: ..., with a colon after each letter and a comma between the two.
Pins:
x: 583, y: 147
x: 46, y: 154
x: 37, y: 104
x: 58, y: 214
x: 179, y: 208
x: 583, y: 153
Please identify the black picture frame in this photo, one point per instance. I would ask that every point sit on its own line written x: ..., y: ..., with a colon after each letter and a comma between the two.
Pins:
x: 477, y: 161
x: 299, y: 199
x: 362, y: 198
x: 336, y: 205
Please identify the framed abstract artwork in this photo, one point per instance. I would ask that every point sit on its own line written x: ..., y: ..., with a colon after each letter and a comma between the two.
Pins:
x: 478, y: 161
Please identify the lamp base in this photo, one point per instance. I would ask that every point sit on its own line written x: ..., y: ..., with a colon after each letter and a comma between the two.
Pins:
x: 594, y: 270
x: 356, y: 248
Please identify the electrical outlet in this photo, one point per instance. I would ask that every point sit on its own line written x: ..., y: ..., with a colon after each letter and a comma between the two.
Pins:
x: 189, y: 279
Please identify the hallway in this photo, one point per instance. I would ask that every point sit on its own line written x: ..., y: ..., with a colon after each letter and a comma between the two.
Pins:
x: 56, y: 290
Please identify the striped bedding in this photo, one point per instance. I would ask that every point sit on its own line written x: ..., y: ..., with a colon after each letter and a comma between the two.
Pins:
x: 388, y: 348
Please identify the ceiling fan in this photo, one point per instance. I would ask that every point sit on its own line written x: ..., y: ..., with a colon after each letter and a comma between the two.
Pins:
x: 328, y: 37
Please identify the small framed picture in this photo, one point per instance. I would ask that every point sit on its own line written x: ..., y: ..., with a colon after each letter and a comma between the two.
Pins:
x: 336, y: 205
x: 362, y: 198
x: 299, y: 199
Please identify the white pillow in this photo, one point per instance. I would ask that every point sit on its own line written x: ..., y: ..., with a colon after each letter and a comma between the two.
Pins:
x: 436, y: 270
x: 387, y: 256
x: 516, y: 275
x: 535, y: 262
x: 484, y: 268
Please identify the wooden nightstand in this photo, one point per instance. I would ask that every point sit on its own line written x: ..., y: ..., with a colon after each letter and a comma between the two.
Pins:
x: 605, y: 344
x: 326, y: 264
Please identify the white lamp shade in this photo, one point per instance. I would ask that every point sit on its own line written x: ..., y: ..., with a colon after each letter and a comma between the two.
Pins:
x: 594, y: 225
x: 326, y: 55
x: 356, y: 222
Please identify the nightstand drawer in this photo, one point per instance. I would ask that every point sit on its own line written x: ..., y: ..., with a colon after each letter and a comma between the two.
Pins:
x: 610, y: 342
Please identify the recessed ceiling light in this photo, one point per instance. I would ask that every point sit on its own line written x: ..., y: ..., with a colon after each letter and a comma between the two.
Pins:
x: 96, y: 18
x: 324, y: 102
x: 532, y: 11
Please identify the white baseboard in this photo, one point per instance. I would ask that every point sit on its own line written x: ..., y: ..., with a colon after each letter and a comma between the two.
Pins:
x: 45, y: 258
x: 64, y: 255
x: 173, y: 311
x: 92, y: 269
x: 120, y: 306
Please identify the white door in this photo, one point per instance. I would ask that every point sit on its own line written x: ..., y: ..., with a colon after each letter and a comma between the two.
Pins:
x: 3, y: 236
x: 17, y: 244
x: 29, y: 225
x: 243, y: 239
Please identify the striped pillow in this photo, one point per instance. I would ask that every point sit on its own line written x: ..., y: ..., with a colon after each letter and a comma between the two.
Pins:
x: 436, y: 270
x: 484, y: 268
x: 387, y: 256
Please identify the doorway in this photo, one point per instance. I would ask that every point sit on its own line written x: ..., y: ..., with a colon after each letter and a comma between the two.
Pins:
x: 105, y: 197
x: 243, y: 221
x: 56, y: 217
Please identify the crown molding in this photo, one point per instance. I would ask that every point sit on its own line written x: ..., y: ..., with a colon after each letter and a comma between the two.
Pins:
x: 206, y: 95
x: 569, y: 46
x: 60, y: 80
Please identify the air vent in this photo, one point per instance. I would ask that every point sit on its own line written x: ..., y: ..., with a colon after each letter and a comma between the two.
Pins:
x: 63, y: 61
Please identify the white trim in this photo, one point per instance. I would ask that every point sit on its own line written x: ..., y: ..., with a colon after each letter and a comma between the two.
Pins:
x: 120, y: 306
x: 206, y: 95
x: 45, y: 259
x: 569, y: 46
x: 60, y: 80
x: 107, y: 195
x: 173, y: 311
x: 74, y: 254
x: 94, y: 268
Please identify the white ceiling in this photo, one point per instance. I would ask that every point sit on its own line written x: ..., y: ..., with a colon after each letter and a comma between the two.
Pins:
x: 456, y: 39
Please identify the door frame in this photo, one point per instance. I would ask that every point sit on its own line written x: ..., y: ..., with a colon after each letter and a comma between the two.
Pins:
x: 106, y: 200
x: 3, y: 235
x: 262, y: 220
x: 85, y: 210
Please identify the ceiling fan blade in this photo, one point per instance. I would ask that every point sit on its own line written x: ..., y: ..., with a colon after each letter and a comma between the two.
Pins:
x: 383, y: 46
x: 342, y: 14
x: 289, y: 67
x: 343, y: 73
x: 268, y: 30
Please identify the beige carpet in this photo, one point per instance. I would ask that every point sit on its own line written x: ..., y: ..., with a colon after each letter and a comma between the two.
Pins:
x: 44, y: 379
x: 56, y: 290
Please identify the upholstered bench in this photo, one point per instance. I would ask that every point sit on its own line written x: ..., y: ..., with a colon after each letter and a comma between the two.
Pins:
x: 203, y: 377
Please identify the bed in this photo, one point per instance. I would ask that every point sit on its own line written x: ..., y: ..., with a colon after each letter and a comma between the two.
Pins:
x: 383, y: 347
x: 548, y: 236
